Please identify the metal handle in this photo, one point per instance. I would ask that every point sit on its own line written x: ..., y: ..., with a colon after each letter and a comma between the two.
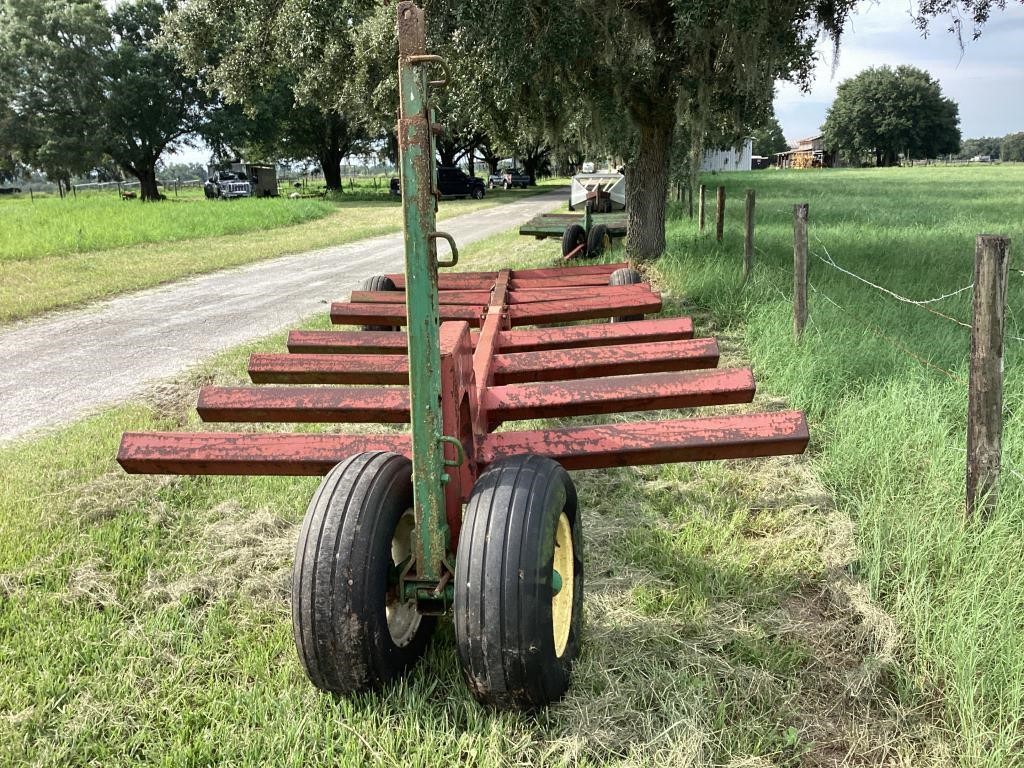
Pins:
x: 459, y: 448
x: 430, y: 58
x: 451, y: 244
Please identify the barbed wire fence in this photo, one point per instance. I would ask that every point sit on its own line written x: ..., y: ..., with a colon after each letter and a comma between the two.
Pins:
x: 987, y: 335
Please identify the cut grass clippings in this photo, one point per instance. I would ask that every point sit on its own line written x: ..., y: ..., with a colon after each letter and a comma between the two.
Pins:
x: 32, y: 284
x: 146, y: 620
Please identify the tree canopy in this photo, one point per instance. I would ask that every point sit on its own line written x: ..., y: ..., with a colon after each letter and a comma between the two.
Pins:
x: 81, y: 83
x: 768, y: 139
x: 1011, y: 148
x: 884, y: 113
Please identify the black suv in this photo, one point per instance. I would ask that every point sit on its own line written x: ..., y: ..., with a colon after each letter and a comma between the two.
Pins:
x: 451, y: 182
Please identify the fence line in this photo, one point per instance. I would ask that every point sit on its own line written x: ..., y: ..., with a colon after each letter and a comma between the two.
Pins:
x: 878, y: 331
x: 923, y: 304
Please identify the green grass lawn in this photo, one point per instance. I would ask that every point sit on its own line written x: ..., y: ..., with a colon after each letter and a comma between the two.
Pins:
x: 835, y: 609
x: 889, y: 431
x: 60, y: 253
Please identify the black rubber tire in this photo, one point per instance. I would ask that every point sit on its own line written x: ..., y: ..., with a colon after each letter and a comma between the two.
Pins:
x: 340, y: 579
x: 597, y: 240
x: 573, y: 237
x: 507, y: 185
x: 379, y: 283
x: 478, y: 193
x: 625, y: 276
x: 504, y: 630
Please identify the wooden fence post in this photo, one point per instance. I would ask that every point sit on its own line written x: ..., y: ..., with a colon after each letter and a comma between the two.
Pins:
x: 985, y: 392
x: 689, y: 199
x: 799, y: 270
x: 748, y: 236
x: 702, y: 206
x: 719, y: 213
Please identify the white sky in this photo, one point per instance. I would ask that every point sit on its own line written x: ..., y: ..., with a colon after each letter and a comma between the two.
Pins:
x: 986, y: 79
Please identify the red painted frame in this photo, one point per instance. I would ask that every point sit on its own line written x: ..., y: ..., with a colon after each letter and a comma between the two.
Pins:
x: 492, y: 372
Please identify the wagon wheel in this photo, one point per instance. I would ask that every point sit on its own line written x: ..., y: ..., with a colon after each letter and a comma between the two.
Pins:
x: 598, y: 241
x: 351, y: 630
x: 625, y: 276
x: 573, y: 237
x: 379, y: 283
x: 519, y: 584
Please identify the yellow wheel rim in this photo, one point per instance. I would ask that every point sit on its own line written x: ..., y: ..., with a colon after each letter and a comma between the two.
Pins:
x: 561, y: 601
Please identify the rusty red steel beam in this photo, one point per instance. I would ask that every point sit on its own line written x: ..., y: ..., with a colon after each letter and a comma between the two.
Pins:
x: 591, y: 362
x: 656, y: 442
x: 473, y: 297
x: 467, y: 281
x: 526, y: 296
x: 584, y: 308
x: 598, y: 334
x: 345, y: 313
x: 390, y: 405
x: 246, y: 453
x: 381, y: 405
x: 284, y: 368
x: 519, y: 340
x: 459, y: 279
x: 649, y: 442
x: 354, y: 342
x: 619, y: 394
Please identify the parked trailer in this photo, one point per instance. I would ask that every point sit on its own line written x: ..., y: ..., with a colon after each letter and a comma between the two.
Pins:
x: 583, y: 236
x: 458, y: 514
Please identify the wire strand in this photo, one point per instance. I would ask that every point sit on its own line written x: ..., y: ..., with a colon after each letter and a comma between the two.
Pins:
x: 923, y: 304
x: 875, y: 329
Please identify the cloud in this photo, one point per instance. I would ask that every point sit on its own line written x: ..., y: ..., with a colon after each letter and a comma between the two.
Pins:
x: 986, y: 78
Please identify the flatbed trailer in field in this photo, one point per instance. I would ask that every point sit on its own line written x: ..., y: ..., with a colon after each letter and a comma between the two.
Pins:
x: 584, y: 235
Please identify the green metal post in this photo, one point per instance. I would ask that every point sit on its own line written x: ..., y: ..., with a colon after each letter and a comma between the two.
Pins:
x: 416, y: 151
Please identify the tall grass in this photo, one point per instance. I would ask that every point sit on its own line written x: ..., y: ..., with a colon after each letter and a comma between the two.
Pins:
x: 888, y: 429
x: 50, y: 226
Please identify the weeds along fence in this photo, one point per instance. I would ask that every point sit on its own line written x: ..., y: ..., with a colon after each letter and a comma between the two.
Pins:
x: 986, y: 333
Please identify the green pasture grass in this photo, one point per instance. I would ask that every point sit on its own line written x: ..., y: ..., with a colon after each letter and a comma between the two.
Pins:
x: 888, y: 430
x: 96, y: 221
x: 261, y: 229
x: 145, y: 620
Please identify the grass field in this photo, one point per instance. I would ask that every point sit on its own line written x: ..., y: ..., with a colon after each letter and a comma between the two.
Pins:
x: 51, y: 226
x: 890, y: 431
x: 829, y: 610
x: 60, y: 253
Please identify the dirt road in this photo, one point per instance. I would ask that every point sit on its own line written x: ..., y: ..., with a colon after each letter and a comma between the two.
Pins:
x: 60, y: 367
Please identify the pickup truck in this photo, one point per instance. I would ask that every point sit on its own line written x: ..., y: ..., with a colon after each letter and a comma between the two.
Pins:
x: 451, y: 182
x: 508, y: 178
x: 226, y: 185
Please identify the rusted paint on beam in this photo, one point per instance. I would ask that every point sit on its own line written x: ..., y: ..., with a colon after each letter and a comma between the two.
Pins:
x: 477, y: 298
x: 524, y: 296
x: 382, y: 405
x: 657, y: 442
x: 621, y: 359
x: 519, y: 340
x: 598, y: 334
x: 271, y: 368
x: 245, y: 453
x: 619, y: 394
x: 584, y: 308
x: 344, y: 313
x: 353, y: 342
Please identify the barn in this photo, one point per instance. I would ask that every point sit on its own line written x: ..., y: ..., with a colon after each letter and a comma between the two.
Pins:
x: 732, y: 159
x: 806, y: 153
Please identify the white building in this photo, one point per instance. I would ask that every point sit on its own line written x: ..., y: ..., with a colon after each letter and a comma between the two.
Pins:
x: 731, y: 159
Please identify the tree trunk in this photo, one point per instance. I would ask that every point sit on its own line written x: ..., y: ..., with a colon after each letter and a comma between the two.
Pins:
x: 148, y: 190
x: 647, y: 190
x: 330, y: 164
